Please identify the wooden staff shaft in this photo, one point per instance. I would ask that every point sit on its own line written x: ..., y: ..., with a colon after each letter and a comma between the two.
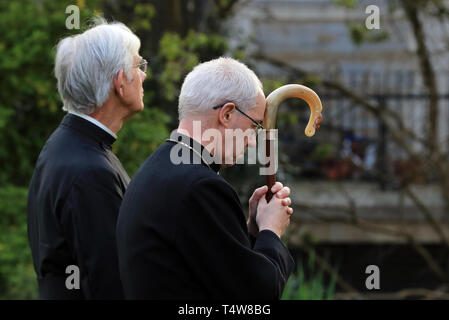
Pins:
x: 270, y: 179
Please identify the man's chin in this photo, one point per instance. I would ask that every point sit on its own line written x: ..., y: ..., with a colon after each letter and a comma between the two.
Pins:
x: 231, y: 162
x: 139, y: 109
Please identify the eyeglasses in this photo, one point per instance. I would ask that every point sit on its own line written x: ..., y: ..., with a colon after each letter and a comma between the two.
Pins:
x: 259, y: 125
x: 142, y: 65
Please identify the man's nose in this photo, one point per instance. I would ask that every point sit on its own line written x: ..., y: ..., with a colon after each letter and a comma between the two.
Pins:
x: 252, y: 141
x: 143, y: 75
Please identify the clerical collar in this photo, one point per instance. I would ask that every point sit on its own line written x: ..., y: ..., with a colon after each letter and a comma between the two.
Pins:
x: 197, y: 149
x: 94, y: 121
x: 89, y: 129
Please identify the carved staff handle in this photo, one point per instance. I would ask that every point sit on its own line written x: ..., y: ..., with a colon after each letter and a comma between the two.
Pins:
x: 274, y: 99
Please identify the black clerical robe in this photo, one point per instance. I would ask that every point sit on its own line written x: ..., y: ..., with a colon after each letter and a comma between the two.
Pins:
x: 182, y: 234
x: 73, y: 203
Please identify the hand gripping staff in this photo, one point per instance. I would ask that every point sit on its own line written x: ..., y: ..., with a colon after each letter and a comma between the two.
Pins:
x: 274, y: 99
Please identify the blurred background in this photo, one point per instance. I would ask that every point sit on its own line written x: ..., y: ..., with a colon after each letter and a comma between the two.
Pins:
x: 370, y: 188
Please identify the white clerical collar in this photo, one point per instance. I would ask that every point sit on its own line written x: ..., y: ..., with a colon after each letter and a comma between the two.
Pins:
x: 94, y: 121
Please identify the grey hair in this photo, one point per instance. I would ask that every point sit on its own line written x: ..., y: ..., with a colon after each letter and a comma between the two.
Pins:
x: 216, y: 82
x: 86, y: 64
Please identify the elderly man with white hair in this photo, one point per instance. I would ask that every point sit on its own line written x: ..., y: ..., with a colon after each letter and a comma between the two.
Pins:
x: 181, y: 231
x: 78, y: 183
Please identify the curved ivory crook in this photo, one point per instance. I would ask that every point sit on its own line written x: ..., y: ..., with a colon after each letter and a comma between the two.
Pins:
x: 275, y: 98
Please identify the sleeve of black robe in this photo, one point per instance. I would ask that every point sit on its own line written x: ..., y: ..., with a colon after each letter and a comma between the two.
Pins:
x: 214, y: 241
x: 88, y: 221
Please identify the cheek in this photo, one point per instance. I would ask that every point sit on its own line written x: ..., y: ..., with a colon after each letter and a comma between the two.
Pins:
x: 136, y: 80
x: 137, y: 88
x: 137, y: 83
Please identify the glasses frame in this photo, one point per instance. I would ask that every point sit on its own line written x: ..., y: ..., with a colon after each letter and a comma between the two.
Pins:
x: 259, y: 125
x: 142, y: 65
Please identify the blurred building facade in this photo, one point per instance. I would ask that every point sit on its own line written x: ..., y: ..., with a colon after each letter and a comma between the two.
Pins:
x: 314, y: 36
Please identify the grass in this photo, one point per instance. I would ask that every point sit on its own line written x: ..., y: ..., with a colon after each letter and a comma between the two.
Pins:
x: 310, y: 285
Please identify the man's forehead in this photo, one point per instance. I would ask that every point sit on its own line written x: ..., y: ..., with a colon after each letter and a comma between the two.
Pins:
x: 257, y: 113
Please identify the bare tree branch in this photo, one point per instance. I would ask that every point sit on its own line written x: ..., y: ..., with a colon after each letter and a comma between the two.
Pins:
x: 421, y: 292
x: 373, y: 227
x: 428, y: 214
x: 411, y: 9
x: 398, y: 130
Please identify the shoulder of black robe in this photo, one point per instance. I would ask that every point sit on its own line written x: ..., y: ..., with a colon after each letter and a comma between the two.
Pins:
x: 73, y: 203
x: 182, y: 234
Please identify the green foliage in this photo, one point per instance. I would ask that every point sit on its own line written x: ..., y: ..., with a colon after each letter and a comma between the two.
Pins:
x: 140, y: 137
x: 287, y: 118
x: 180, y: 55
x: 17, y: 277
x: 29, y: 103
x: 311, y: 286
x: 31, y: 109
x: 143, y: 14
x: 346, y: 3
x: 323, y: 152
x: 311, y: 80
x: 360, y: 34
x: 269, y: 84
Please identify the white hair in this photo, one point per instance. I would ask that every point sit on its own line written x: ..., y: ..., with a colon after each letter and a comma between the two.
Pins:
x: 86, y: 64
x: 216, y: 82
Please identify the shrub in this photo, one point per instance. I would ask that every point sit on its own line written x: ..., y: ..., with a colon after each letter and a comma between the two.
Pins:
x: 17, y: 276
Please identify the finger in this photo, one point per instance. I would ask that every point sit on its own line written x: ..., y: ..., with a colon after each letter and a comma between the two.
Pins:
x: 283, y: 193
x: 286, y: 202
x: 258, y: 193
x: 289, y: 211
x: 276, y: 187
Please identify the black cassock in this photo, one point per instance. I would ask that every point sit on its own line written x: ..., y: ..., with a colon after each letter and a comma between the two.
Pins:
x: 73, y: 203
x: 182, y: 234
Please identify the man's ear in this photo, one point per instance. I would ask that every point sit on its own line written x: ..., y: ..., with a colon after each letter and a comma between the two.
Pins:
x: 226, y: 113
x: 118, y: 83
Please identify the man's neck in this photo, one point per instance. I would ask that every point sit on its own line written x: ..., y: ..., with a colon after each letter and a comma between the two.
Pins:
x: 109, y: 117
x: 194, y: 128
